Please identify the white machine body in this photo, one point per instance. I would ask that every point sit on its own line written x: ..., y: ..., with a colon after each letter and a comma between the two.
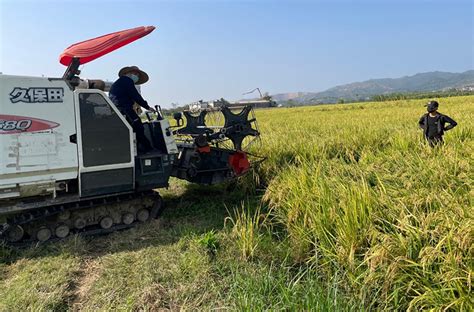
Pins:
x: 36, y: 121
x: 47, y: 137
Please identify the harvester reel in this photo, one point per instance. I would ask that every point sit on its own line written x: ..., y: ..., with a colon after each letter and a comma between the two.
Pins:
x: 195, y: 125
x: 237, y: 126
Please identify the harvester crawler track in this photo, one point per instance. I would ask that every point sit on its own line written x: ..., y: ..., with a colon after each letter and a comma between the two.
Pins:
x: 94, y: 216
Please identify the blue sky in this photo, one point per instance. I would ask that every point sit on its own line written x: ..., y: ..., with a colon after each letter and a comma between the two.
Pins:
x: 212, y: 49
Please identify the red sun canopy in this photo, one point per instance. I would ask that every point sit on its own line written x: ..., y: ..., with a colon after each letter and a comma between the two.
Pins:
x: 94, y: 48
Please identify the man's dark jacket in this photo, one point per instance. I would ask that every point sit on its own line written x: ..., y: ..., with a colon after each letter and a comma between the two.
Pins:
x: 123, y: 94
x: 442, y: 120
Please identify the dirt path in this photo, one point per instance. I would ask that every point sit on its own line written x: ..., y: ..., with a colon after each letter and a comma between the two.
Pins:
x: 87, y: 274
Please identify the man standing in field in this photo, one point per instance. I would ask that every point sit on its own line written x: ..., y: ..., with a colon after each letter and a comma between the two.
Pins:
x: 433, y: 124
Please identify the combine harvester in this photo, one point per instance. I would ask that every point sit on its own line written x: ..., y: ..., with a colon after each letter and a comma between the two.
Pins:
x: 69, y: 161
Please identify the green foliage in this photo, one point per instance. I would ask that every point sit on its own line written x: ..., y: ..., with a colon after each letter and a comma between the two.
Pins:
x: 38, y: 284
x: 419, y: 95
x: 279, y: 287
x: 369, y: 97
x: 210, y: 242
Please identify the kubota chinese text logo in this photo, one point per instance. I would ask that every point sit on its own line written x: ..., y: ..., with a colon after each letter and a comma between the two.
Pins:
x: 37, y: 95
x: 16, y: 124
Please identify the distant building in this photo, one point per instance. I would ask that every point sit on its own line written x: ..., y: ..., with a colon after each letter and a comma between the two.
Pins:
x: 467, y: 88
x: 260, y: 103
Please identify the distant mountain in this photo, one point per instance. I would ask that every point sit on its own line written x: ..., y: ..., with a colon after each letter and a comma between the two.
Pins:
x: 423, y: 82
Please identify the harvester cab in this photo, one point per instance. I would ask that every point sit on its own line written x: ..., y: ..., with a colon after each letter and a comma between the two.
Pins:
x: 69, y: 161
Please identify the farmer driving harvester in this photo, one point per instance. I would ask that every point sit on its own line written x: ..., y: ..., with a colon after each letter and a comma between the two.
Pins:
x: 124, y: 94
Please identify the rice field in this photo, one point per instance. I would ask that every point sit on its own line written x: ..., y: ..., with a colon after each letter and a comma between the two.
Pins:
x: 351, y: 211
x: 362, y: 199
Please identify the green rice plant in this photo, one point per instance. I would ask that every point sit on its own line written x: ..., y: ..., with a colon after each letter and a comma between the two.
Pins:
x: 246, y: 229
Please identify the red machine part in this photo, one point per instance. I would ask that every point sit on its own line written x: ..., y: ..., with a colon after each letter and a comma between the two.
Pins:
x: 91, y: 49
x: 204, y: 149
x: 239, y: 162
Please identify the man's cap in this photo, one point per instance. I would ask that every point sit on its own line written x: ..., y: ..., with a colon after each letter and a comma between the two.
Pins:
x: 142, y: 76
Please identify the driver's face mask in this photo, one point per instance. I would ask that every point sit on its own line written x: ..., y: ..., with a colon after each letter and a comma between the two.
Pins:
x: 133, y: 77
